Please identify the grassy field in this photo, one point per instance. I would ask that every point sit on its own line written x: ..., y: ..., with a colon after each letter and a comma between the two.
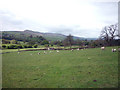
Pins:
x: 89, y: 68
x: 39, y: 47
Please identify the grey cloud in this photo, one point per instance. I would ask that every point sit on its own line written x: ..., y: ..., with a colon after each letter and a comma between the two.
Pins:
x: 107, y: 14
x: 108, y: 11
x: 9, y: 18
x: 75, y: 30
x: 61, y: 29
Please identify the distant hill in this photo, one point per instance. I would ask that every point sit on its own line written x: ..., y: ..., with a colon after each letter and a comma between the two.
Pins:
x: 48, y: 36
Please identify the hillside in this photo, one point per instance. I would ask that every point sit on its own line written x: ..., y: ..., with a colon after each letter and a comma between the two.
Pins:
x: 48, y: 36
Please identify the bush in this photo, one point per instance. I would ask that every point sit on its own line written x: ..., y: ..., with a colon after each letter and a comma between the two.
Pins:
x: 3, y: 46
x: 35, y: 46
x: 15, y: 47
x: 61, y: 45
x: 29, y: 46
x: 46, y: 45
x: 44, y: 42
x: 51, y: 45
x: 12, y: 47
x: 25, y: 46
x: 7, y: 47
x: 19, y: 46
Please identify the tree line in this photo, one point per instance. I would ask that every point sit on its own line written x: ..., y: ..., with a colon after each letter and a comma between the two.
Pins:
x: 109, y: 36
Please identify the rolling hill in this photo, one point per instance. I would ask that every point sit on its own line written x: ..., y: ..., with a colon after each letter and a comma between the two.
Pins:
x: 48, y: 36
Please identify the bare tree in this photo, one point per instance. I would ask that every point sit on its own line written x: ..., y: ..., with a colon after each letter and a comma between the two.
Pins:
x: 109, y: 33
x: 68, y: 41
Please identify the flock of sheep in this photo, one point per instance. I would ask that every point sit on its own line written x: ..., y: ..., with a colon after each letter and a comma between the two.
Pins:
x: 102, y: 48
x: 113, y: 49
x: 56, y: 51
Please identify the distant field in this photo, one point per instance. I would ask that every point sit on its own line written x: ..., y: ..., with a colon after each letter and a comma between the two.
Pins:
x: 89, y: 68
x: 39, y: 47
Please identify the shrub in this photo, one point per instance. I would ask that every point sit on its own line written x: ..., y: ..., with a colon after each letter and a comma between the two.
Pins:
x: 12, y: 46
x: 29, y: 46
x: 3, y: 46
x: 25, y: 46
x: 35, y: 46
x: 7, y: 47
x: 46, y: 45
x: 19, y: 46
x: 44, y: 42
x: 15, y: 47
x: 61, y: 45
x: 51, y: 45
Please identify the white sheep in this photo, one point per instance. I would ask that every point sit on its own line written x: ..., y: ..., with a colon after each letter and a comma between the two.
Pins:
x: 48, y: 48
x: 57, y: 51
x: 71, y: 49
x: 89, y: 58
x: 30, y: 54
x: 38, y: 53
x: 45, y: 52
x: 119, y: 49
x: 114, y: 50
x: 78, y: 49
x: 102, y: 48
x: 18, y: 52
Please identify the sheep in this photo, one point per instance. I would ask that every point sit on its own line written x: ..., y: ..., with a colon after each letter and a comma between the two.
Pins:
x: 45, y: 52
x: 89, y: 58
x: 71, y: 49
x: 119, y: 49
x: 78, y: 49
x: 113, y: 50
x: 38, y: 53
x: 102, y: 48
x: 30, y: 54
x: 48, y: 48
x: 57, y: 51
x: 18, y: 52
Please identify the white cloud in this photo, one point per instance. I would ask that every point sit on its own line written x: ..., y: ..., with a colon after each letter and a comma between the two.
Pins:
x: 50, y: 15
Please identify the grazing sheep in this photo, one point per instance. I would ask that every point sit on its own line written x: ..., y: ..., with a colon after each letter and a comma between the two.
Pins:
x: 102, y: 48
x: 48, y: 48
x: 30, y: 54
x: 57, y: 51
x: 18, y: 52
x: 114, y: 50
x: 71, y: 49
x: 78, y: 49
x: 119, y: 49
x: 89, y: 58
x: 38, y: 53
x: 45, y: 52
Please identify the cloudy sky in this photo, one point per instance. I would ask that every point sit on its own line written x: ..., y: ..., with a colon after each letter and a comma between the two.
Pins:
x: 84, y: 18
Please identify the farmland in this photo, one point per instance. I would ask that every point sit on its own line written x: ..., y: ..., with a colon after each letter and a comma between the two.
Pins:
x: 88, y: 68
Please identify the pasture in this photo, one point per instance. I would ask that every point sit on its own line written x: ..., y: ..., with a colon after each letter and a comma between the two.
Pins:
x: 89, y: 68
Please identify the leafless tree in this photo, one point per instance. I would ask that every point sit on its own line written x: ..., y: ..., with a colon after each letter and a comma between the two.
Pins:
x: 110, y: 33
x: 68, y: 41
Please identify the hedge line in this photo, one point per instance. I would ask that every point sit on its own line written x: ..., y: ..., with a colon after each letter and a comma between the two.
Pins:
x: 18, y: 46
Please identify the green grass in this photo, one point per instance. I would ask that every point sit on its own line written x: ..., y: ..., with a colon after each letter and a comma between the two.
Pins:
x: 39, y: 47
x: 66, y: 69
